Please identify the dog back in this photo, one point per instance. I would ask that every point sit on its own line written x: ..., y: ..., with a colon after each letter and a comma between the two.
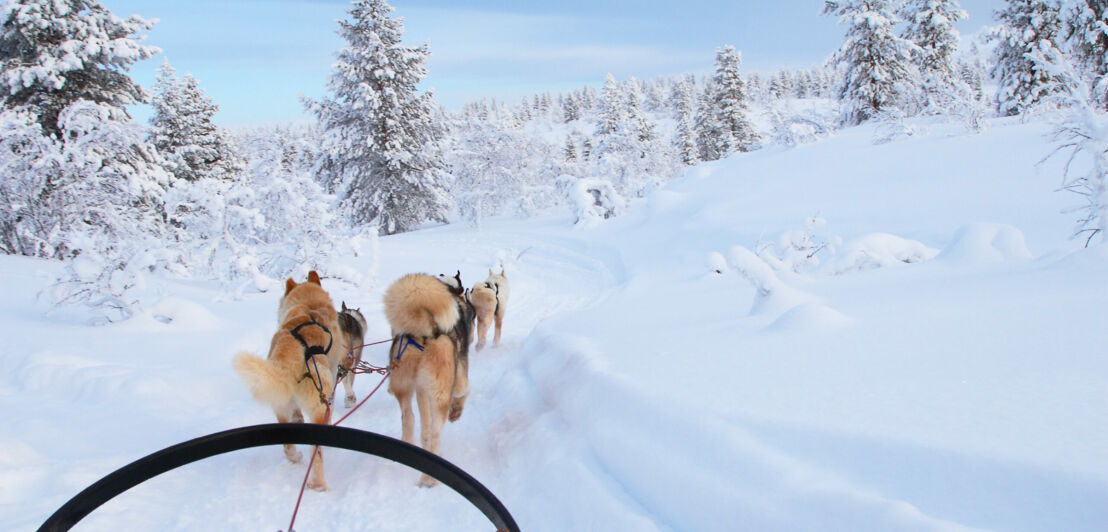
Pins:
x: 420, y: 305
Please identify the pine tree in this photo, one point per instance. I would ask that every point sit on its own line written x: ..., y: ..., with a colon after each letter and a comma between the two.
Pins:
x: 681, y: 98
x: 755, y: 88
x: 572, y: 109
x: 612, y: 107
x: 625, y: 139
x: 729, y: 101
x: 877, y: 62
x: 930, y: 25
x: 711, y: 143
x: 78, y: 179
x: 54, y: 53
x: 803, y: 86
x: 783, y: 85
x: 1086, y: 31
x: 642, y: 129
x: 183, y: 131
x: 1030, y: 29
x: 570, y: 150
x: 380, y: 145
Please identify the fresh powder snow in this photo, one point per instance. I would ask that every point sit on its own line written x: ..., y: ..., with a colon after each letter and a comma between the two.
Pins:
x: 937, y: 361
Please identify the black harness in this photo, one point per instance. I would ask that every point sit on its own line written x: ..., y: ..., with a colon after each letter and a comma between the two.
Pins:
x: 312, y: 350
x: 495, y: 287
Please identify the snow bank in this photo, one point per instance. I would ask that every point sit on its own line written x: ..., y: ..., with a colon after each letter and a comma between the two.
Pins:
x: 985, y: 243
x: 879, y: 250
x: 774, y: 296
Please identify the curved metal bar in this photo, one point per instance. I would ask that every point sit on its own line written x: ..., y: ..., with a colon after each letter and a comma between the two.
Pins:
x: 203, y: 447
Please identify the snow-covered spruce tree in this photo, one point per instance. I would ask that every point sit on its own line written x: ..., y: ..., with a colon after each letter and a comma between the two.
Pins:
x: 878, y: 72
x: 1029, y: 27
x: 570, y: 151
x: 681, y: 99
x: 930, y: 25
x: 63, y: 66
x: 54, y: 53
x: 380, y: 147
x: 781, y: 85
x: 611, y: 107
x: 627, y: 150
x: 642, y: 128
x: 1086, y: 32
x: 711, y: 142
x: 572, y: 109
x: 729, y: 101
x: 183, y: 131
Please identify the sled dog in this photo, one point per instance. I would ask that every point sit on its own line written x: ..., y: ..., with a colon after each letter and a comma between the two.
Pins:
x: 298, y: 377
x: 353, y: 327
x: 432, y: 326
x: 490, y: 301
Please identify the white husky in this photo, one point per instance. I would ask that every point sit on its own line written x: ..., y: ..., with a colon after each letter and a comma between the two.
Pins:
x: 490, y: 301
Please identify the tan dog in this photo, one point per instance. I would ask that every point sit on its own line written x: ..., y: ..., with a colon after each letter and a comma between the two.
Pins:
x: 490, y: 301
x: 298, y: 377
x: 353, y: 327
x: 432, y: 326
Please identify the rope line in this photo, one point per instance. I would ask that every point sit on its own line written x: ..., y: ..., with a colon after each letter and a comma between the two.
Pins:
x: 360, y: 367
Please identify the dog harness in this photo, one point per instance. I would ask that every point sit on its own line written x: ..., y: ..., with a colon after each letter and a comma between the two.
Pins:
x: 495, y: 287
x: 407, y: 340
x: 312, y: 350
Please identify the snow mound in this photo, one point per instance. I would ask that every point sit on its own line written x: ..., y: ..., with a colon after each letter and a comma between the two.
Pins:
x: 810, y: 316
x: 80, y: 377
x: 716, y: 263
x: 177, y: 313
x: 880, y: 250
x: 773, y: 295
x: 984, y: 243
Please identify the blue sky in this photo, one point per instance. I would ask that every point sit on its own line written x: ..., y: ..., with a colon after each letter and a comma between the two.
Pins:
x: 256, y: 57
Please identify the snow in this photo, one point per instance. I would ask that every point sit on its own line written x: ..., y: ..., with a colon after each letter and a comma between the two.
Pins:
x: 643, y: 382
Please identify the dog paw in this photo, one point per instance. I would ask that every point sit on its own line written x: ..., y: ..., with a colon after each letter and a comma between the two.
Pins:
x: 351, y: 401
x: 294, y: 456
x: 455, y: 412
x: 318, y: 485
x: 427, y: 482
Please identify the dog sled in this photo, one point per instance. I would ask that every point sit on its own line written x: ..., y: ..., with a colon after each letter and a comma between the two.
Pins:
x: 203, y: 447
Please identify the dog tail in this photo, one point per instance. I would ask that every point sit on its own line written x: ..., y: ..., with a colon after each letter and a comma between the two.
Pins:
x: 420, y: 305
x: 266, y: 384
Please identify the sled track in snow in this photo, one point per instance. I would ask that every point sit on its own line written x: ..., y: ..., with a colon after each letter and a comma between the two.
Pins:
x: 181, y: 454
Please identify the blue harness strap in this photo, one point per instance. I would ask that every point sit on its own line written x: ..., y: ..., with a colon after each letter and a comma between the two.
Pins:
x: 404, y: 346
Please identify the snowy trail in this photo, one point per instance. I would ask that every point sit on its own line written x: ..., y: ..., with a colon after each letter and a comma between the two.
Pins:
x: 636, y: 389
x: 256, y: 488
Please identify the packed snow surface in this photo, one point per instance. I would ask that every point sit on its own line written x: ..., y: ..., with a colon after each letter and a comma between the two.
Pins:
x: 943, y: 365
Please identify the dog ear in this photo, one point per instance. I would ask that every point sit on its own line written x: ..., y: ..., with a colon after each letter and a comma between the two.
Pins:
x: 344, y: 306
x: 490, y: 271
x: 289, y: 285
x: 502, y: 273
x: 313, y: 277
x: 460, y: 289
